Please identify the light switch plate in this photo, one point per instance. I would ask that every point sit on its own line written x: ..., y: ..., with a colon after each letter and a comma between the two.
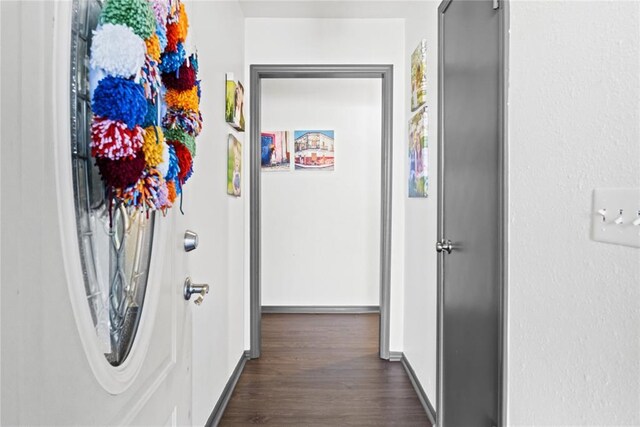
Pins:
x: 615, y: 227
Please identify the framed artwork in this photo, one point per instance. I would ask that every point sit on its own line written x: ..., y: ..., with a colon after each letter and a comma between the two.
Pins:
x: 234, y: 166
x: 314, y: 150
x: 234, y: 103
x: 418, y: 154
x: 275, y: 153
x: 419, y: 76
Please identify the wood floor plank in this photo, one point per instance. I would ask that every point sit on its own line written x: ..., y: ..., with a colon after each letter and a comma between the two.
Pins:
x: 323, y: 370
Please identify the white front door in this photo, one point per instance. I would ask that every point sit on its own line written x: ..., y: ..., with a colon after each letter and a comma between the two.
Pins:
x: 53, y: 369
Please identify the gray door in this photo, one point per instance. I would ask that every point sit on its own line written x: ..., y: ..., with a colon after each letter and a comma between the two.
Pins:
x: 470, y: 213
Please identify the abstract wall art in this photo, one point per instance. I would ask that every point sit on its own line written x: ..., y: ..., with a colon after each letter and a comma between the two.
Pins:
x: 418, y: 154
x: 419, y: 76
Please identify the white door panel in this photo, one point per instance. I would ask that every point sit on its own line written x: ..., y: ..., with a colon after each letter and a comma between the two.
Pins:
x: 47, y: 377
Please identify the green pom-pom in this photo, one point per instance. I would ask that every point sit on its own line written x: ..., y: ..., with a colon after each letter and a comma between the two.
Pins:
x: 135, y: 14
x: 182, y: 137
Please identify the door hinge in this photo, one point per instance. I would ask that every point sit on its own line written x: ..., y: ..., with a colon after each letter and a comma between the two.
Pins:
x: 496, y: 4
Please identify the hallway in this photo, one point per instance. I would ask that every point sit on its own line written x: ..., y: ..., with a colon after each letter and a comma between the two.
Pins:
x: 323, y: 370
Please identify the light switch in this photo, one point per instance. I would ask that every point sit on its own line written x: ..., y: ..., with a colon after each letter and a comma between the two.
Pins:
x: 616, y: 216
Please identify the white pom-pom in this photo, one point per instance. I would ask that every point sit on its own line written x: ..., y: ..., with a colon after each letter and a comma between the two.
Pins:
x: 163, y: 167
x: 117, y: 50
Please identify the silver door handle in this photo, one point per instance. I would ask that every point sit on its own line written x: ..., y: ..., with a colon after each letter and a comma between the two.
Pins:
x: 191, y: 288
x: 444, y: 245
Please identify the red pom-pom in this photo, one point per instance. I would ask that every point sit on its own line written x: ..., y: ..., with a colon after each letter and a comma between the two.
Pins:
x: 183, y: 79
x: 185, y: 161
x: 173, y: 37
x: 123, y: 172
x: 113, y: 139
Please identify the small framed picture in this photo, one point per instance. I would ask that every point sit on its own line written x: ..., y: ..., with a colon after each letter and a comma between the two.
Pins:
x: 234, y: 103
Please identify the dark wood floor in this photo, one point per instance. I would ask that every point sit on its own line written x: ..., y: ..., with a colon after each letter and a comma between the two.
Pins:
x: 323, y: 370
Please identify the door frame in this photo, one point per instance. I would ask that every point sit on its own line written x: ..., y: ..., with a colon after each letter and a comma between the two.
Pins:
x: 260, y: 72
x: 503, y: 252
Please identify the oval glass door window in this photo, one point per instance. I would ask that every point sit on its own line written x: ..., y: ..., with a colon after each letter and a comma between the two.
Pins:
x: 115, y: 252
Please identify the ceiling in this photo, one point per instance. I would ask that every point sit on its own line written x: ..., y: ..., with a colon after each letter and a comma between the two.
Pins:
x: 352, y: 9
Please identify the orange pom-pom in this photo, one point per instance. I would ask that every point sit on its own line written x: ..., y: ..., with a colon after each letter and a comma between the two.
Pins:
x: 171, y: 186
x: 183, y: 99
x: 153, y: 47
x: 183, y: 24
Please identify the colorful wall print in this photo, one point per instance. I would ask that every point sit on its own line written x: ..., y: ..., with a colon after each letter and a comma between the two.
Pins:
x: 419, y: 76
x: 275, y: 150
x: 314, y: 150
x: 234, y: 166
x: 418, y: 154
x: 234, y: 103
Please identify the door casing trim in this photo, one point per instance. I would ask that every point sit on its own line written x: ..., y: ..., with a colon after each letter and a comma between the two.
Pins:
x: 357, y: 71
x: 503, y: 17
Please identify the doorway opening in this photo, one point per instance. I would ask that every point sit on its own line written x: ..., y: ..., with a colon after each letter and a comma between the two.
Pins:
x: 260, y: 72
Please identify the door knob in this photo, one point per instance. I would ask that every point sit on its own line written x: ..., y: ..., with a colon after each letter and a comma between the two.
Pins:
x: 191, y: 288
x: 444, y: 245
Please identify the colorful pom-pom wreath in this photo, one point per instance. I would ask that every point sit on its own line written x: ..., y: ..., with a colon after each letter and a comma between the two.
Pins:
x: 135, y: 14
x: 182, y: 79
x: 182, y: 137
x: 114, y: 140
x: 153, y: 47
x: 182, y: 99
x: 119, y: 99
x: 172, y: 193
x: 171, y: 61
x: 187, y: 120
x: 185, y: 161
x: 121, y: 173
x: 153, y: 145
x: 163, y: 166
x: 117, y: 50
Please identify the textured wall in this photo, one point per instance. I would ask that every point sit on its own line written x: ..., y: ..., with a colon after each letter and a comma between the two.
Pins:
x: 574, y: 321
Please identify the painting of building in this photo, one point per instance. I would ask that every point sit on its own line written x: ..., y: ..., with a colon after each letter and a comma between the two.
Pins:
x: 314, y: 150
x: 275, y: 152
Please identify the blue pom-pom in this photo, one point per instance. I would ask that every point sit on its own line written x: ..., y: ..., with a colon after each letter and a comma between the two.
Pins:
x: 193, y: 60
x: 199, y: 90
x: 172, y: 171
x: 151, y: 119
x: 120, y: 99
x: 161, y: 32
x: 171, y: 61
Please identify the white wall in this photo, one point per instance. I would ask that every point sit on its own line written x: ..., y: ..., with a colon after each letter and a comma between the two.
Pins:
x: 217, y: 29
x: 574, y: 125
x: 420, y: 296
x: 340, y: 41
x: 321, y: 230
